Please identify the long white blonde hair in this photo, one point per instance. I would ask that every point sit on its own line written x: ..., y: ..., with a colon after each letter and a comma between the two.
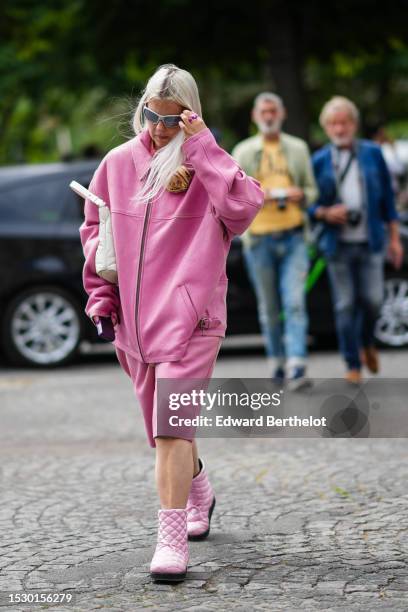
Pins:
x: 168, y: 83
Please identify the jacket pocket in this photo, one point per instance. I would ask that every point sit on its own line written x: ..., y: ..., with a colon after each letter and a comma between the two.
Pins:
x: 189, y: 304
x: 216, y: 313
x: 123, y: 330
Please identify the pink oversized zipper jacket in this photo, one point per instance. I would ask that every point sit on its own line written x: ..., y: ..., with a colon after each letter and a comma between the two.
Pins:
x: 171, y: 252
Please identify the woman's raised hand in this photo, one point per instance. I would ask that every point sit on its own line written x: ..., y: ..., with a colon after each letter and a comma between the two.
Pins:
x: 191, y: 123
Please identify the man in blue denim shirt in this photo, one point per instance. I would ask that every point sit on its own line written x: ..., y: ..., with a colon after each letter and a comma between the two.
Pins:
x: 356, y: 200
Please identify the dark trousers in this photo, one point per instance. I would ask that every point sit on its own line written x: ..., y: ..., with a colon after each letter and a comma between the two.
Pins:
x: 357, y: 281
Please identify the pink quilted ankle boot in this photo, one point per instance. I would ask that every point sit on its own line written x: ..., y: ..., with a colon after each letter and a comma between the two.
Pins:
x: 170, y: 558
x: 200, y: 505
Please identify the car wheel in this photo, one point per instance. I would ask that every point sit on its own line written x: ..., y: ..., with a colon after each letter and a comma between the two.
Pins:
x: 392, y: 325
x: 42, y: 327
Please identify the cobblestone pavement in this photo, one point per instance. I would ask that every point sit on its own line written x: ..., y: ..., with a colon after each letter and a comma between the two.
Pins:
x: 309, y: 524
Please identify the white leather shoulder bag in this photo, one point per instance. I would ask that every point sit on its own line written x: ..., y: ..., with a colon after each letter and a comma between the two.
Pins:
x: 105, y: 258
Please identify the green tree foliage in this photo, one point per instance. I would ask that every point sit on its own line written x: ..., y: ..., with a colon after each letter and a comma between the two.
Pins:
x: 70, y: 70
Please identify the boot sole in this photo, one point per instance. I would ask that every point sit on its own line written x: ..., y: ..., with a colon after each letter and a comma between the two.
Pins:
x: 167, y: 577
x: 202, y: 536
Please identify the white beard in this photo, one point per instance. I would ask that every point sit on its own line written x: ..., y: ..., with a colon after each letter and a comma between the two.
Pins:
x: 270, y: 129
x: 342, y: 141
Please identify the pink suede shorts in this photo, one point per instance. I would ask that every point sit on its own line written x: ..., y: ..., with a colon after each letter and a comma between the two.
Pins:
x: 197, y: 363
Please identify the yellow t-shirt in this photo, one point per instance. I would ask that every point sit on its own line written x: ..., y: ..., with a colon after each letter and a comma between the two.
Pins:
x: 274, y: 174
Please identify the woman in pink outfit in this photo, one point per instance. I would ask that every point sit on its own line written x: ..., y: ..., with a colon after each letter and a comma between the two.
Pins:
x: 176, y: 200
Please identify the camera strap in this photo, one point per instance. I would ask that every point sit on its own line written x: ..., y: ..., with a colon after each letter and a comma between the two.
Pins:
x: 340, y: 176
x: 344, y: 172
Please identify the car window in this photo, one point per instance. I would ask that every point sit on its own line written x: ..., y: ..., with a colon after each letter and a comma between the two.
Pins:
x: 39, y: 201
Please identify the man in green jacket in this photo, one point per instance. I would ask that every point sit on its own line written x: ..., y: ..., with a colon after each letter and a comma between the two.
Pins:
x: 274, y: 245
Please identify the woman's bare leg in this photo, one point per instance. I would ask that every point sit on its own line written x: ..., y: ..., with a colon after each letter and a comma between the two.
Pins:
x: 174, y: 471
x: 195, y: 458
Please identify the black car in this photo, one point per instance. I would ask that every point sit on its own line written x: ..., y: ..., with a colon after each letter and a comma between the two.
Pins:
x: 42, y: 299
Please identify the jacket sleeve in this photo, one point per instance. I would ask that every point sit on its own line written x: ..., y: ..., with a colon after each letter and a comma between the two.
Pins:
x: 236, y: 154
x: 389, y: 211
x: 235, y: 197
x: 309, y: 184
x: 321, y: 196
x: 103, y: 295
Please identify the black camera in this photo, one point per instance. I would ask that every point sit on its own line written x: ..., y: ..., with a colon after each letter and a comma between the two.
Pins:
x: 353, y: 217
x: 280, y: 196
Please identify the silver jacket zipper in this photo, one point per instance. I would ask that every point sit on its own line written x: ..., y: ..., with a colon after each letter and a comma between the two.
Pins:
x: 139, y: 276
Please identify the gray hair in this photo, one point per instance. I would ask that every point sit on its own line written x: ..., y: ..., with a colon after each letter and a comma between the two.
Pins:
x: 267, y: 96
x: 338, y: 103
x: 168, y: 83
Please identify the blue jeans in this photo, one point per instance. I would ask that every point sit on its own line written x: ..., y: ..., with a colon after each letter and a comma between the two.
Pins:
x: 277, y: 268
x: 357, y: 280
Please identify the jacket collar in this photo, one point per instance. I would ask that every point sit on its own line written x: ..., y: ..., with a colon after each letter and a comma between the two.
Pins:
x: 356, y: 147
x: 141, y: 152
x: 258, y: 142
x: 146, y: 140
